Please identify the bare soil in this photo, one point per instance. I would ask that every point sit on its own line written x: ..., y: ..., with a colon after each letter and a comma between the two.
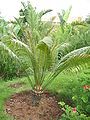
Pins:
x: 29, y: 106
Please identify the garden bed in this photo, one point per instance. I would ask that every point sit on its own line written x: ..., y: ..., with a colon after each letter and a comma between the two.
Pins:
x: 28, y: 106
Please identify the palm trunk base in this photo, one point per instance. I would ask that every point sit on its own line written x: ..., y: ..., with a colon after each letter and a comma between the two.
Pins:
x: 36, y: 97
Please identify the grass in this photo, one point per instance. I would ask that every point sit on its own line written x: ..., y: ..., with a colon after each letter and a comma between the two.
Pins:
x: 6, y: 92
x: 63, y: 84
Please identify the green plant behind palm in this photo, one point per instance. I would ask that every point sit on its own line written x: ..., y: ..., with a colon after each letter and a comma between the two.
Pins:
x: 63, y: 17
x: 43, y: 55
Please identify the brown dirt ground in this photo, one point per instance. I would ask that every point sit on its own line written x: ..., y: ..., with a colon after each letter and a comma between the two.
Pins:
x: 27, y: 106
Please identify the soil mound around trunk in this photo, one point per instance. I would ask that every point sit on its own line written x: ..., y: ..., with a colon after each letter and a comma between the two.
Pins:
x: 29, y: 106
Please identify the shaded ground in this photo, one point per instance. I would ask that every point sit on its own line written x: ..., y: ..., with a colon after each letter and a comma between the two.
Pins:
x: 27, y: 106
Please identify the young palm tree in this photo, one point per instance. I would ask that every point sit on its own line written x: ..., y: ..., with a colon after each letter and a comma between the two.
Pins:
x: 43, y: 54
x: 43, y: 61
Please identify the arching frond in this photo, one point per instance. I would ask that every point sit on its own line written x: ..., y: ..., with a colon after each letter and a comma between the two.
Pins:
x: 12, y: 54
x: 45, y: 42
x: 72, y: 61
x: 22, y: 44
x: 44, y: 12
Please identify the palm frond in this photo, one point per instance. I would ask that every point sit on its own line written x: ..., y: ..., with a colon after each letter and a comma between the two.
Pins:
x: 45, y: 42
x: 67, y: 13
x: 22, y: 44
x: 44, y: 56
x: 73, y: 61
x: 31, y: 55
x: 12, y: 54
x: 44, y: 12
x: 45, y: 49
